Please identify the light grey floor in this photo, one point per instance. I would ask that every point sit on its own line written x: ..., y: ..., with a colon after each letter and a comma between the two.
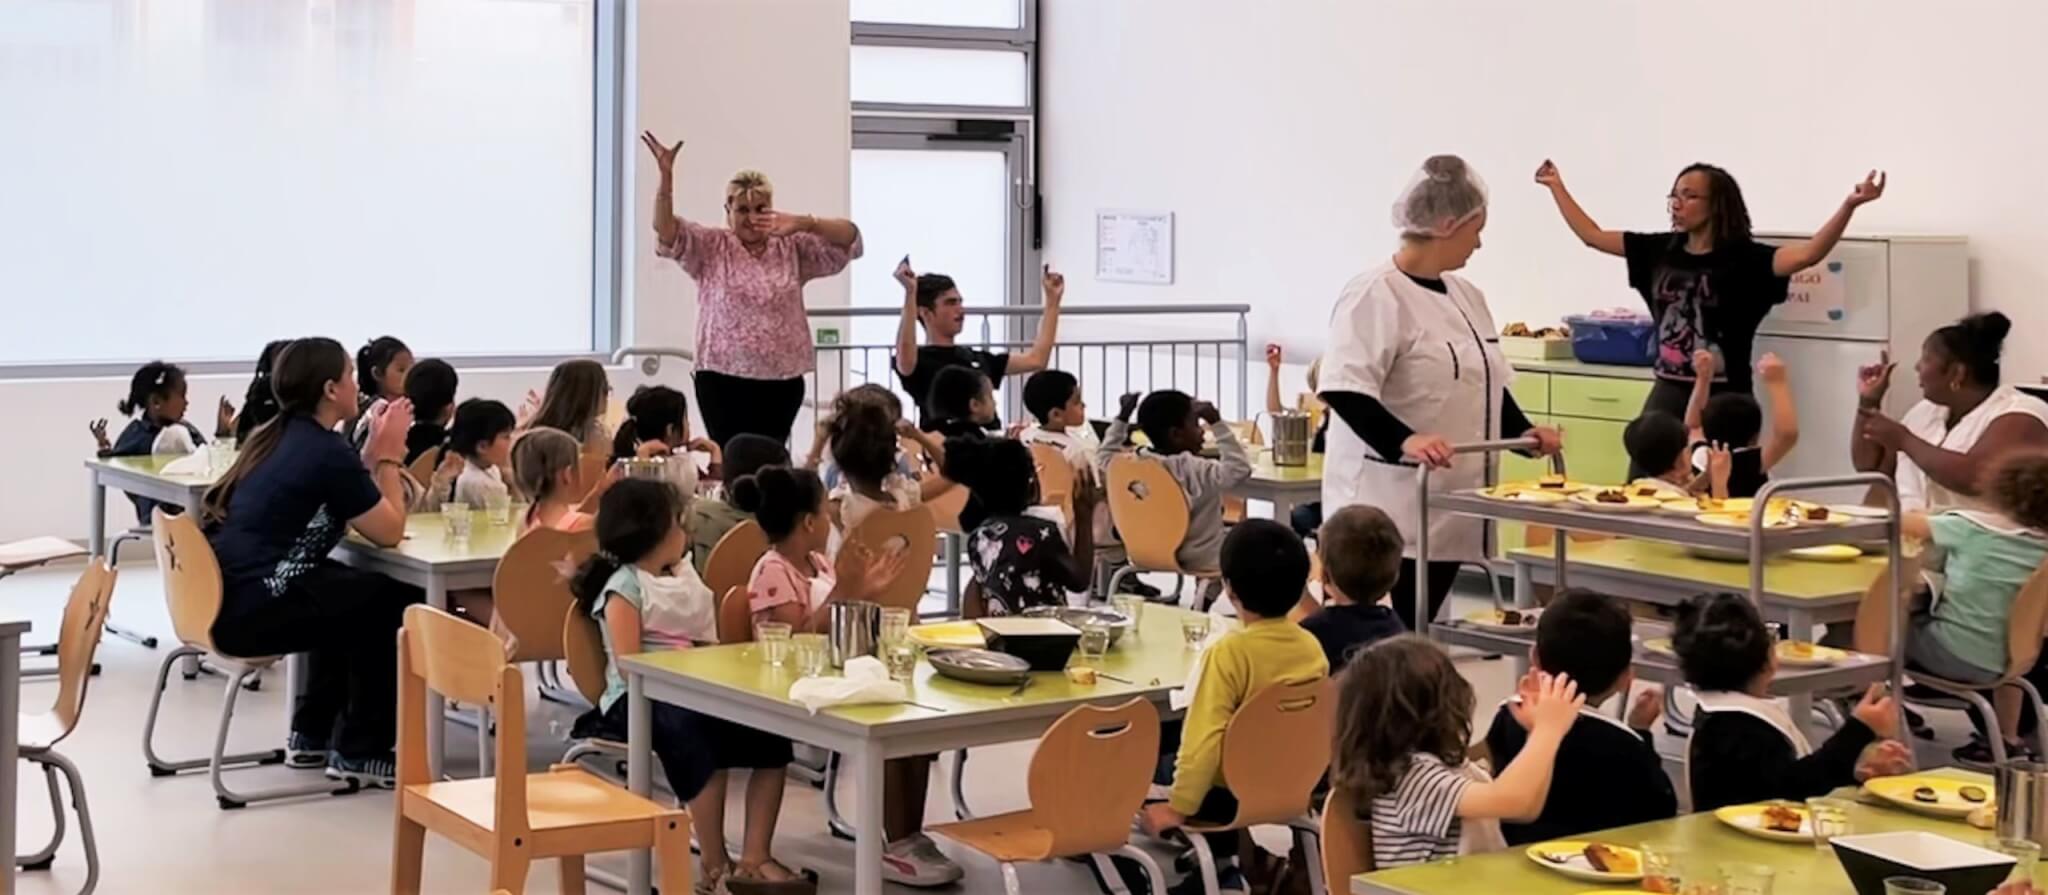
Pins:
x: 166, y: 835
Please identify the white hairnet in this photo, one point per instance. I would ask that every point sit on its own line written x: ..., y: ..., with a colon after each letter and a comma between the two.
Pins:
x: 1442, y: 195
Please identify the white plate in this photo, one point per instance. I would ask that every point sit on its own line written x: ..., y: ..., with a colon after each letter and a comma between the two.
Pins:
x: 1854, y: 511
x: 1585, y: 500
x: 1575, y: 864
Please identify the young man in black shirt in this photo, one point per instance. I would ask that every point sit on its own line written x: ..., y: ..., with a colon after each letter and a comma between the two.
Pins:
x: 933, y: 301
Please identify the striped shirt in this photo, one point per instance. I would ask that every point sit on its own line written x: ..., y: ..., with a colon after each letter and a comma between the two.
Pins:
x: 1418, y: 820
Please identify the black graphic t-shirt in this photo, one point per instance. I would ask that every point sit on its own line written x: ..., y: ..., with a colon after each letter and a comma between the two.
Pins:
x: 1713, y: 301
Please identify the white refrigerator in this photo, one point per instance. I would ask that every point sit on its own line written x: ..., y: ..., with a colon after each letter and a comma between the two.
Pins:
x: 1872, y: 295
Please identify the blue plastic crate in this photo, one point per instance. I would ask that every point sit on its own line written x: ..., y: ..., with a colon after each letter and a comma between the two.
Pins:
x: 1597, y: 340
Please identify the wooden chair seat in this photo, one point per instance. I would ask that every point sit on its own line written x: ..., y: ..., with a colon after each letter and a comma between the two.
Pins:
x: 1015, y: 837
x: 562, y: 798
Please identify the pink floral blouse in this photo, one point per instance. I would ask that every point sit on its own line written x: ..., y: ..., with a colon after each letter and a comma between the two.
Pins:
x: 750, y: 308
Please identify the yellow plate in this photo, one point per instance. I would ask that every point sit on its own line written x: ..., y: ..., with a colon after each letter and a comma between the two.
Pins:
x: 1567, y: 488
x: 1808, y: 655
x: 1828, y: 553
x: 1949, y: 801
x: 948, y: 635
x: 1517, y: 494
x: 1575, y: 864
x: 1737, y: 520
x: 1661, y: 646
x: 1750, y: 819
x: 1585, y: 500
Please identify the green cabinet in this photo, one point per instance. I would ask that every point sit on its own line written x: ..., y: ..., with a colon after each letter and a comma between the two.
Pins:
x: 1532, y: 392
x: 1596, y: 397
x: 1592, y: 410
x: 1593, y: 452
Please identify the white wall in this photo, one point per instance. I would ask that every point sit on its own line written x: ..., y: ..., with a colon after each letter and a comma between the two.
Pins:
x: 748, y: 83
x: 1280, y: 134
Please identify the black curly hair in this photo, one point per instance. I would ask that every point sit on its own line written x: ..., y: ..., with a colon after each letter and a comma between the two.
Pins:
x: 1721, y: 642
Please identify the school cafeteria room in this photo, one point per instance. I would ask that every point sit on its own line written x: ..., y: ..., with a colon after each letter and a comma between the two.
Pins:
x: 1148, y: 447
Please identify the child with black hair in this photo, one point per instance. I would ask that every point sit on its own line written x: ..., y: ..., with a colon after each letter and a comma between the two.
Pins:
x: 657, y: 425
x: 1730, y: 425
x: 157, y: 401
x: 430, y: 385
x: 646, y: 598
x: 1265, y: 568
x: 869, y: 394
x: 1018, y: 555
x: 710, y: 518
x: 1607, y: 774
x: 933, y: 302
x: 1659, y: 446
x: 381, y: 368
x: 962, y: 403
x: 1360, y: 547
x: 259, y: 401
x: 864, y: 450
x: 1173, y: 422
x: 1053, y: 397
x: 1745, y: 747
x: 482, y: 436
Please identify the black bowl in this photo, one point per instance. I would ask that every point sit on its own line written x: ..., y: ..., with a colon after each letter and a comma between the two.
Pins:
x: 1965, y: 869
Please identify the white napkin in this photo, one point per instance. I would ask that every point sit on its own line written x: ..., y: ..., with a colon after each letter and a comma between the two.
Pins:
x: 866, y: 681
x: 196, y: 463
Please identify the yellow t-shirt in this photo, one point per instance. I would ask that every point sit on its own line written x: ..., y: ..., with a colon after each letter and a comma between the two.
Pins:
x: 1265, y: 652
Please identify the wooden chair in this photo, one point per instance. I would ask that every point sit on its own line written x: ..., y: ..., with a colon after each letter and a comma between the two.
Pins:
x: 1055, y: 478
x: 28, y: 553
x: 1346, y: 842
x: 945, y: 510
x: 1151, y: 514
x: 732, y: 559
x: 192, y: 588
x: 423, y: 466
x: 78, y: 637
x: 1086, y: 781
x: 2025, y: 627
x: 564, y: 812
x: 914, y: 534
x: 735, y: 616
x: 1294, y: 720
x: 530, y: 589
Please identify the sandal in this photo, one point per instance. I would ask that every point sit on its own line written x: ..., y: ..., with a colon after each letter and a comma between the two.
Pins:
x: 748, y: 879
x: 711, y: 880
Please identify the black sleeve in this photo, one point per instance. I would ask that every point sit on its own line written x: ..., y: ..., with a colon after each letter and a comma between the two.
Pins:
x: 1382, y: 431
x: 1058, y: 563
x: 1643, y: 251
x: 1513, y: 422
x: 1770, y: 290
x: 995, y: 365
x: 1737, y: 759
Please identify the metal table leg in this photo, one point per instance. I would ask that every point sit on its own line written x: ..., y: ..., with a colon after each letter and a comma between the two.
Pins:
x: 867, y: 845
x: 639, y: 773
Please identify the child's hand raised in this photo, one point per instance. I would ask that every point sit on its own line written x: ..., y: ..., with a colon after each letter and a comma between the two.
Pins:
x: 98, y: 428
x: 1771, y: 368
x: 1885, y: 758
x: 1557, y: 704
x: 224, y: 418
x: 1207, y: 413
x: 1878, y: 712
x: 1125, y: 405
x: 1704, y: 365
x: 1647, y: 707
x: 1273, y: 357
x: 529, y: 407
x: 450, y: 467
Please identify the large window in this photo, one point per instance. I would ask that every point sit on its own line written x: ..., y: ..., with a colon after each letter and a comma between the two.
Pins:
x: 191, y: 178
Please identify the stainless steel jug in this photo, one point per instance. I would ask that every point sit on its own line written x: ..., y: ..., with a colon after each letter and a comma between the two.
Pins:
x: 1293, y: 432
x: 2022, y: 793
x: 854, y: 625
x: 654, y: 468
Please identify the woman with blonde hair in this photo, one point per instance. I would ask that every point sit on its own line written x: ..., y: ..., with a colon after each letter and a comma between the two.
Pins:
x: 753, y: 341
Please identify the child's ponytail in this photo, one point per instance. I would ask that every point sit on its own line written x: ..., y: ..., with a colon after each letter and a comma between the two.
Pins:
x: 155, y: 379
x: 632, y: 519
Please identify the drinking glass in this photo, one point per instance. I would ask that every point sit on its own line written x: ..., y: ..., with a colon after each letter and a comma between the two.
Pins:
x: 1194, y: 629
x: 1662, y: 863
x: 1912, y: 885
x: 1828, y: 818
x: 774, y: 640
x: 457, y: 517
x: 1094, y: 644
x: 895, y: 626
x: 900, y: 657
x: 1747, y: 879
x: 498, y: 509
x: 1130, y: 606
x: 2025, y: 855
x: 810, y: 654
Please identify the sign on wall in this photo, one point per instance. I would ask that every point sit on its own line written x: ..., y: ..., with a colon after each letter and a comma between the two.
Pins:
x: 1134, y: 246
x: 1818, y: 294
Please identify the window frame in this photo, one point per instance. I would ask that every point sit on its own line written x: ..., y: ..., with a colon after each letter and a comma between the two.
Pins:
x: 610, y: 245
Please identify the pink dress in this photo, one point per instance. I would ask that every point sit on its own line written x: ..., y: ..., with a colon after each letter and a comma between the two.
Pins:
x: 750, y: 308
x: 572, y: 521
x: 775, y: 582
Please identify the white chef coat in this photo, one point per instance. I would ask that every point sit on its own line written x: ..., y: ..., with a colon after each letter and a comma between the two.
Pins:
x: 1433, y: 361
x: 1928, y: 421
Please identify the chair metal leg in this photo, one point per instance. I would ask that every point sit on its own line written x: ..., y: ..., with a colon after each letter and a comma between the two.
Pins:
x: 78, y: 804
x: 1106, y: 873
x: 834, y: 821
x: 1312, y: 852
x: 147, y: 641
x: 1205, y: 860
x: 960, y: 809
x: 1152, y: 869
x: 42, y: 858
x: 230, y: 799
x: 2033, y: 695
x: 1010, y: 884
x: 809, y: 765
x: 161, y: 767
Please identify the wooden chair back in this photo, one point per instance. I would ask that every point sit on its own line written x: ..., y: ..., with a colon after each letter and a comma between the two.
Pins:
x: 2027, y: 625
x: 1090, y: 774
x: 78, y: 638
x: 912, y: 533
x: 1055, y: 478
x: 1347, y: 841
x: 466, y: 663
x: 1150, y: 511
x: 192, y: 582
x: 530, y: 589
x: 732, y: 559
x: 591, y: 465
x: 583, y: 652
x: 945, y: 509
x: 735, y: 616
x: 423, y: 466
x: 1294, y: 720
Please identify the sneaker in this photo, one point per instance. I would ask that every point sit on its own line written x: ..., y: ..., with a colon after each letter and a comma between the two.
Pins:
x: 916, y: 861
x: 1977, y: 753
x: 1133, y: 585
x: 380, y: 772
x: 1229, y: 881
x: 304, y: 752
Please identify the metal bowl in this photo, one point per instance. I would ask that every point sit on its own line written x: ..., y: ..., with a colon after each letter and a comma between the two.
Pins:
x: 979, y: 666
x: 1082, y: 616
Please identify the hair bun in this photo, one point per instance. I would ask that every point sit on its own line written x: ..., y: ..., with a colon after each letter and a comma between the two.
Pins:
x: 1444, y: 168
x: 1988, y: 329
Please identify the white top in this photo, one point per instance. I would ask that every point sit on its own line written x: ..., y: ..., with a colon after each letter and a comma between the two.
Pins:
x: 477, y: 485
x: 1928, y: 421
x: 1079, y: 450
x: 1433, y: 361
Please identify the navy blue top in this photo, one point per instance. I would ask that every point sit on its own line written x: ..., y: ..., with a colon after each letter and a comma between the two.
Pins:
x: 1346, y: 629
x: 138, y: 439
x: 289, y: 512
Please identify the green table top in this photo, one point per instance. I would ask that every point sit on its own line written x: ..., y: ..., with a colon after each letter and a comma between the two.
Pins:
x: 1264, y: 471
x: 153, y: 466
x: 1155, y: 661
x: 427, y: 542
x: 1801, y: 868
x: 1783, y: 576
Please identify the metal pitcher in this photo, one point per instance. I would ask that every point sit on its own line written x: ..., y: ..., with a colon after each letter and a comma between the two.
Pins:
x: 853, y: 632
x: 653, y: 468
x: 1293, y: 432
x: 2021, y: 789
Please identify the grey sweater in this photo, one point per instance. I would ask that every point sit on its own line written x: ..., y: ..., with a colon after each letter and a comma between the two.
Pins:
x: 1203, y: 481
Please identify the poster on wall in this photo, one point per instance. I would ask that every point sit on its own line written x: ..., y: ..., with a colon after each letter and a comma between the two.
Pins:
x: 1134, y: 246
x: 1818, y: 294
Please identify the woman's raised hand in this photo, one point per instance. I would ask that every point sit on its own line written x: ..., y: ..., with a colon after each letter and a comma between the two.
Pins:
x: 1548, y: 175
x: 389, y: 421
x: 664, y: 156
x: 1873, y: 380
x: 1869, y: 190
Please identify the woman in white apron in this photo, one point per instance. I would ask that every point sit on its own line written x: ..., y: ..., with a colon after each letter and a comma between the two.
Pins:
x: 1964, y: 420
x: 1414, y: 367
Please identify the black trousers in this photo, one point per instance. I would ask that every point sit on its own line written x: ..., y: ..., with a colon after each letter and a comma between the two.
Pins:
x: 1219, y: 806
x: 1441, y: 574
x: 1670, y: 396
x: 734, y: 405
x: 346, y: 622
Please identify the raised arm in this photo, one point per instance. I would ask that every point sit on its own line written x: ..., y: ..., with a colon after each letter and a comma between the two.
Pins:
x: 1798, y: 256
x: 1040, y: 354
x: 1784, y: 432
x: 1582, y: 224
x: 906, y: 328
x: 1520, y: 790
x: 384, y: 454
x: 1273, y: 361
x: 1704, y: 366
x: 665, y: 222
x: 1872, y: 381
x: 1958, y: 472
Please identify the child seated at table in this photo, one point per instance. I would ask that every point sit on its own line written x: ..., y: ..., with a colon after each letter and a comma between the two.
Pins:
x: 1660, y: 448
x: 1053, y: 398
x: 864, y: 449
x: 646, y: 598
x: 962, y: 403
x: 1404, y: 717
x: 1607, y: 774
x: 710, y: 518
x: 1729, y: 425
x: 573, y: 401
x: 544, y: 467
x: 1018, y: 556
x: 156, y: 399
x: 1264, y: 568
x: 1745, y: 747
x: 1360, y: 548
x: 430, y: 386
x: 657, y: 425
x: 482, y: 437
x: 1173, y: 422
x: 820, y: 457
